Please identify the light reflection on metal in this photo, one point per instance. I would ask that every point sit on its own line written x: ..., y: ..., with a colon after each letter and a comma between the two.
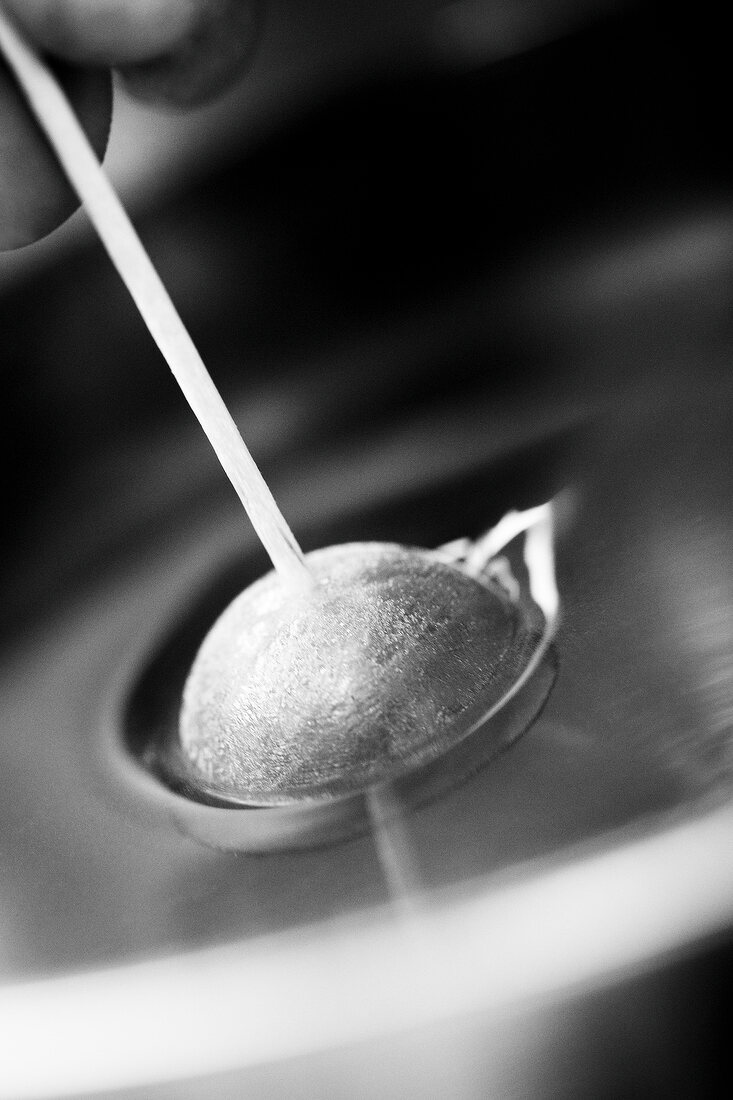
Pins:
x: 537, y: 525
x: 391, y: 834
x: 351, y: 979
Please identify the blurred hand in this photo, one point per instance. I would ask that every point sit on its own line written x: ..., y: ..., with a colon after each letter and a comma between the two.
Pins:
x: 177, y: 51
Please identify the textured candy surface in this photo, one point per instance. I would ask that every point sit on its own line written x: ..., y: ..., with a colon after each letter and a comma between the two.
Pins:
x: 331, y: 690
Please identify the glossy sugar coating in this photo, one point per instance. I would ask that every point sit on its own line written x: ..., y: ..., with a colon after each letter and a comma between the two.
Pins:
x: 322, y: 693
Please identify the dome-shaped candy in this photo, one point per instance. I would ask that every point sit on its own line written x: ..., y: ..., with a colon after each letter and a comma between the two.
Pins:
x: 370, y: 672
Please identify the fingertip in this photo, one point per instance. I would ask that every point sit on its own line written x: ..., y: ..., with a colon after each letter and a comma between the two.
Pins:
x: 107, y: 32
x: 214, y: 53
x: 35, y: 197
x: 206, y: 44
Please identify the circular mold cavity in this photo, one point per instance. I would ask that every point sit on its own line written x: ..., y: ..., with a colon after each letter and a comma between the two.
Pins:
x: 279, y: 725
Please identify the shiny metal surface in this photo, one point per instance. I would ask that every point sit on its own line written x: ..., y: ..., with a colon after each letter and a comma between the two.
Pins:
x: 616, y: 784
x: 636, y: 711
x: 574, y: 897
x: 637, y: 726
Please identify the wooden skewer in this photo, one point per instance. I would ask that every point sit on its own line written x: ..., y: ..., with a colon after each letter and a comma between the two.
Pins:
x: 80, y: 164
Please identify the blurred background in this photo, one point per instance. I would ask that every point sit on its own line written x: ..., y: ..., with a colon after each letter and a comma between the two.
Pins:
x: 377, y: 188
x: 442, y: 259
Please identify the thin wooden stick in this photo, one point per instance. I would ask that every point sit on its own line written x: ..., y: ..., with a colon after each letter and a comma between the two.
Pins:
x: 78, y: 160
